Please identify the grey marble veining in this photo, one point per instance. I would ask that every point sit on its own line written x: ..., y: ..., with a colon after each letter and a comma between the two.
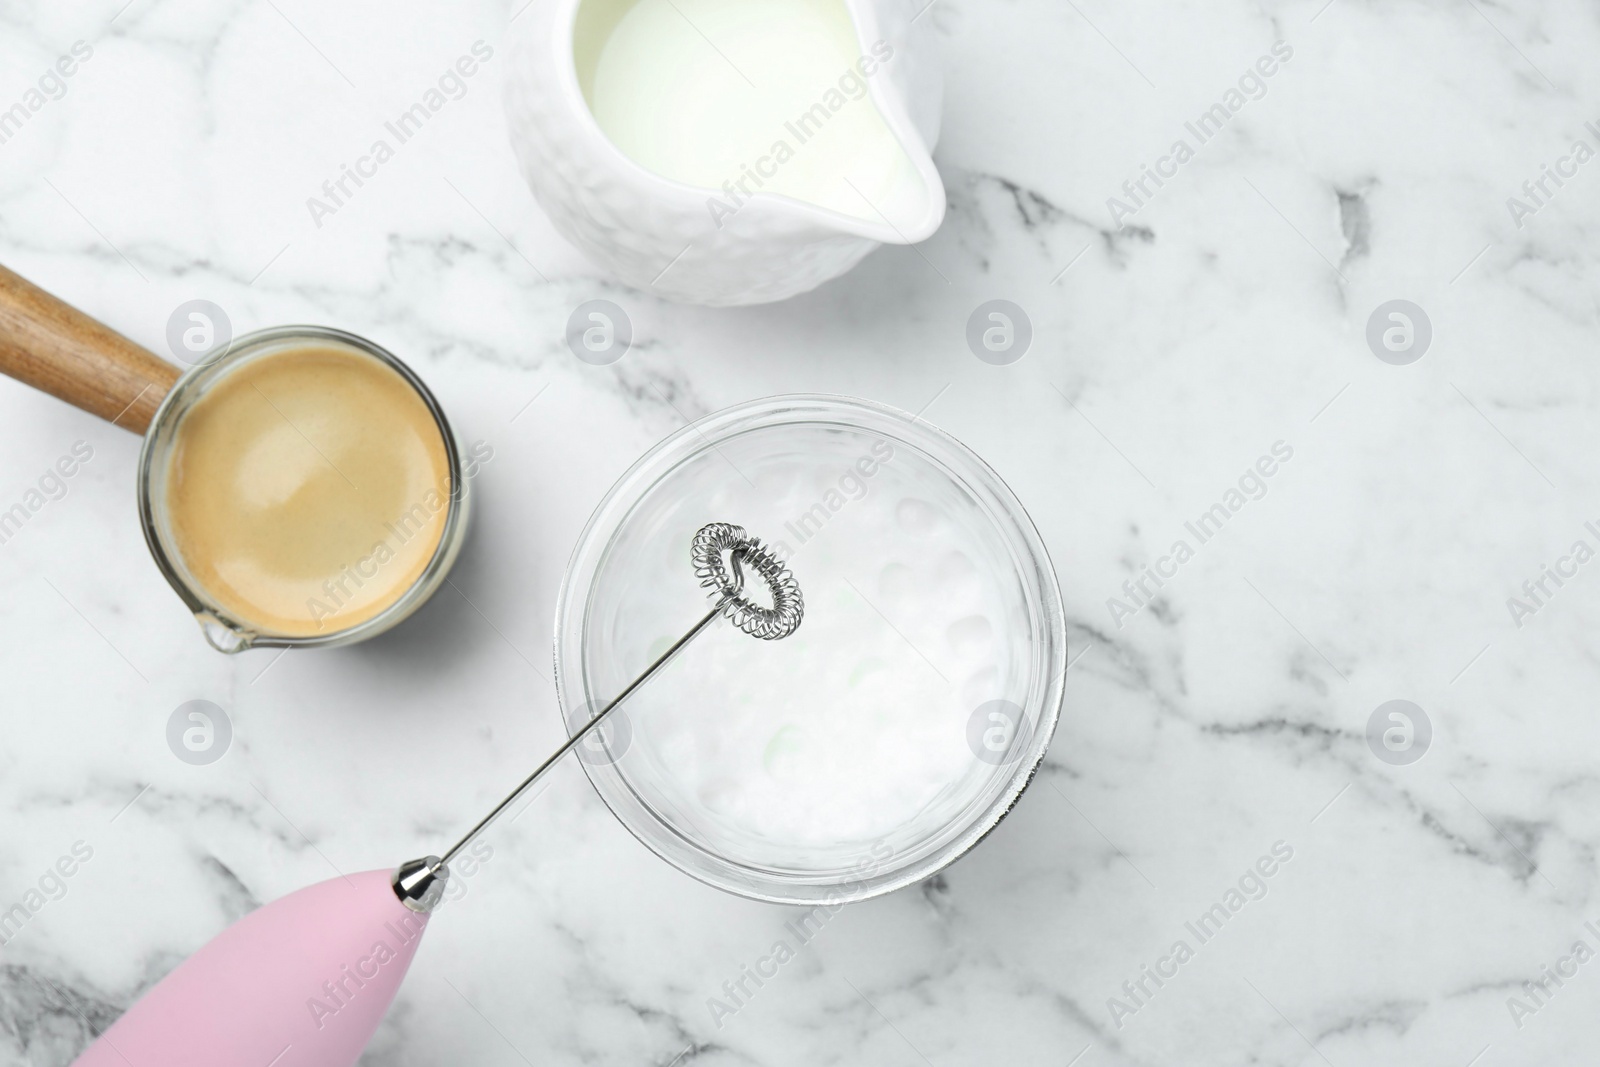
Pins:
x: 1227, y: 715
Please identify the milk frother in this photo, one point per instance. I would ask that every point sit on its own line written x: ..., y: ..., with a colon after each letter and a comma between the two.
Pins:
x: 305, y: 981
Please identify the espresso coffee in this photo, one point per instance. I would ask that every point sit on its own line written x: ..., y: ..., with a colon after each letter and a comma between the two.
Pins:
x: 307, y: 490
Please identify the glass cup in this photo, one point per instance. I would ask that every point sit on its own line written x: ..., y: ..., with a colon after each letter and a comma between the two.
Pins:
x: 224, y: 630
x: 934, y: 644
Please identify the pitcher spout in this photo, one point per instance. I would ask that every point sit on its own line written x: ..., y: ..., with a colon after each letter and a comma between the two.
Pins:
x: 900, y: 186
x: 897, y: 190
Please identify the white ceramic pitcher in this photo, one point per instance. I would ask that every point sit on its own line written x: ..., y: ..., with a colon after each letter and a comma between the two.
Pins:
x: 695, y: 242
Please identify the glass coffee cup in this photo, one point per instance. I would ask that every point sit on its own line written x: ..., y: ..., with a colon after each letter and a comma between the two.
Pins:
x: 299, y: 487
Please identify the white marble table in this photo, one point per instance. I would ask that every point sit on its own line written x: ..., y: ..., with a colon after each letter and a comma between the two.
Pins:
x: 1222, y: 717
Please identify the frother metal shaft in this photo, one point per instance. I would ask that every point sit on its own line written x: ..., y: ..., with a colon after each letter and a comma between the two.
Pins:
x: 577, y: 738
x: 420, y: 883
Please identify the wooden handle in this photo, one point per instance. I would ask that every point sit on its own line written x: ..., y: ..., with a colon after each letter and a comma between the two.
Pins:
x: 54, y: 347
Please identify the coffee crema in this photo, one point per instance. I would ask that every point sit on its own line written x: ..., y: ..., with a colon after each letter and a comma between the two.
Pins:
x: 307, y: 490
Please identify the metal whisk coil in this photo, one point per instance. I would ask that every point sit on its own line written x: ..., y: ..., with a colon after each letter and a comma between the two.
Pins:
x: 725, y: 583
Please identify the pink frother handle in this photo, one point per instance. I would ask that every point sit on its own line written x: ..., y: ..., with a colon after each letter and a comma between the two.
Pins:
x: 301, y: 982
